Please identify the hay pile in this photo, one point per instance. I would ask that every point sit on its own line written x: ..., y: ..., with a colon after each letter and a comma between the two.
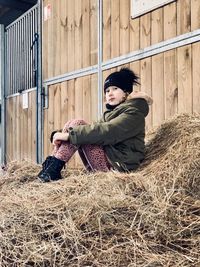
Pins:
x: 150, y: 218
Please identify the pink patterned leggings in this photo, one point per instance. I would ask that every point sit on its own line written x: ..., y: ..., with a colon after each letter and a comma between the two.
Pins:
x: 92, y: 156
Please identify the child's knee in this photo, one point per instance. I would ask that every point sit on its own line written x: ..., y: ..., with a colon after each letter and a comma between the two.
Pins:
x: 77, y: 122
x: 73, y: 123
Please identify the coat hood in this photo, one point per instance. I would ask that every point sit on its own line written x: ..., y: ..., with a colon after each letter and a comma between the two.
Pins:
x: 143, y: 95
x: 141, y: 101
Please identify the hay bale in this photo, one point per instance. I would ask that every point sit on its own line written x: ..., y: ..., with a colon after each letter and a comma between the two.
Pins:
x: 146, y: 218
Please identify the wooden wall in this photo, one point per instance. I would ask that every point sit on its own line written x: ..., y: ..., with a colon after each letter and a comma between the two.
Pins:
x: 69, y: 36
x: 21, y: 128
x: 121, y: 34
x: 70, y: 39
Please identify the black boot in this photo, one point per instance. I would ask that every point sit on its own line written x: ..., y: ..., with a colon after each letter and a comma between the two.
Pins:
x: 45, y: 165
x: 52, y: 172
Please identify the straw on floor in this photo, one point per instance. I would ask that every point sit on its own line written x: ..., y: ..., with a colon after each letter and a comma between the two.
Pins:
x: 147, y: 218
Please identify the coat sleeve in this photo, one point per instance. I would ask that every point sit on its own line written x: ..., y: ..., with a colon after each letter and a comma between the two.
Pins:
x: 125, y: 126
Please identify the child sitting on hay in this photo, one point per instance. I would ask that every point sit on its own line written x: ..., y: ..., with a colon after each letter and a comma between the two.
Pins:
x: 114, y: 142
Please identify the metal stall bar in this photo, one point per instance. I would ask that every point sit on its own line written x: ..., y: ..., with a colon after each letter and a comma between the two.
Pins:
x: 100, y: 57
x: 31, y: 50
x: 39, y: 86
x: 16, y: 58
x: 8, y: 62
x: 24, y: 55
x: 2, y: 88
x: 28, y: 50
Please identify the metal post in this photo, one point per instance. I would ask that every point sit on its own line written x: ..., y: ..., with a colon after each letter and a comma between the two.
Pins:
x: 2, y: 89
x: 39, y: 123
x: 100, y: 58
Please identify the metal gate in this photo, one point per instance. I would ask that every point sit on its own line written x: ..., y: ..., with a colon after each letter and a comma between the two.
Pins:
x: 21, y: 53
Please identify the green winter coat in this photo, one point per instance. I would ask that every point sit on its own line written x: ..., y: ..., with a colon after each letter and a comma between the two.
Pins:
x: 120, y: 132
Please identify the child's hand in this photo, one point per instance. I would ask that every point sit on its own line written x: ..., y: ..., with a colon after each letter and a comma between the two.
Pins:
x: 52, y: 134
x: 58, y: 137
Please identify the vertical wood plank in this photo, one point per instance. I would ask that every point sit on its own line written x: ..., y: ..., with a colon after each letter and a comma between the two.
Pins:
x: 115, y: 41
x: 146, y: 85
x: 21, y: 129
x: 170, y: 20
x: 18, y: 128
x: 93, y: 32
x: 78, y: 98
x: 135, y: 66
x: 57, y: 105
x: 29, y: 125
x: 183, y: 16
x: 78, y: 112
x: 170, y: 83
x: 78, y: 34
x: 54, y: 36
x: 25, y: 133
x: 71, y: 98
x: 196, y: 77
x: 157, y: 26
x: 86, y: 33
x: 46, y: 133
x: 71, y: 35
x: 11, y: 127
x: 195, y: 14
x: 184, y: 79
x: 124, y: 27
x: 71, y: 110
x: 51, y: 113
x: 158, y: 89
x: 94, y: 97
x: 63, y: 36
x: 64, y: 104
x: 45, y: 46
x: 145, y: 31
x: 86, y: 99
x: 134, y: 34
x: 8, y: 132
x: 50, y: 43
x: 14, y: 125
x: 106, y: 30
x: 57, y: 38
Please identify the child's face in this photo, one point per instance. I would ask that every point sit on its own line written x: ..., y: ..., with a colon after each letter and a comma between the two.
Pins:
x: 114, y: 95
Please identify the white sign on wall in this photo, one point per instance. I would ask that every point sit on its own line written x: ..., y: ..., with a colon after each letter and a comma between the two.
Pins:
x: 140, y: 7
x: 47, y: 12
x: 25, y: 100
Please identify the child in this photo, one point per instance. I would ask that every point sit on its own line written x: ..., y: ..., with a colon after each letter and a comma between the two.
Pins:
x: 114, y: 142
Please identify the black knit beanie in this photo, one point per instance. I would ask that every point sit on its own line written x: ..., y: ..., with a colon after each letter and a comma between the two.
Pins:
x: 124, y: 79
